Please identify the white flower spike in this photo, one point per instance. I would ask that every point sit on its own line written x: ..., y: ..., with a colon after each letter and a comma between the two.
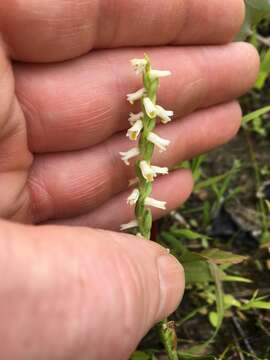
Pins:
x: 127, y: 155
x: 130, y: 225
x: 157, y: 74
x: 147, y: 171
x: 133, y: 197
x: 135, y: 96
x: 160, y: 170
x: 139, y: 65
x: 150, y: 108
x: 135, y: 130
x: 164, y: 115
x: 155, y: 203
x: 161, y: 143
x: 135, y: 117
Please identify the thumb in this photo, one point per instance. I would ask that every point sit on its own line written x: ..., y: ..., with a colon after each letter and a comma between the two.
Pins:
x: 77, y: 293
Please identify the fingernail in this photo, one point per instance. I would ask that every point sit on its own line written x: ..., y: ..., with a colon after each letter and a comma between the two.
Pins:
x: 172, y: 284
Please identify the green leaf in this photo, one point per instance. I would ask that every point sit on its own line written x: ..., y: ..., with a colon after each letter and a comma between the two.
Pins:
x: 264, y: 70
x: 256, y: 10
x: 230, y: 301
x: 256, y: 114
x: 219, y: 296
x: 197, y: 272
x: 262, y: 5
x: 232, y: 278
x: 188, y: 234
x: 213, y: 318
x: 139, y: 355
x: 217, y: 256
x: 260, y: 305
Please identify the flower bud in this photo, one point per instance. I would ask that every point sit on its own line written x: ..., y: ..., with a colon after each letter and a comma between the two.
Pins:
x: 161, y: 143
x: 150, y: 108
x: 164, y: 115
x: 135, y: 130
x: 135, y: 96
x: 155, y: 203
x: 133, y: 197
x: 127, y: 155
x: 157, y: 74
x: 130, y: 225
x: 147, y: 171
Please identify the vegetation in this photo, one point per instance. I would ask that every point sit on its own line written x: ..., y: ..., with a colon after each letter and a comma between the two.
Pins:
x: 222, y: 234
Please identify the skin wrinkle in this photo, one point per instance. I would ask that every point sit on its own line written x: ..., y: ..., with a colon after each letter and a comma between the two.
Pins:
x: 185, y: 7
x: 84, y: 192
x: 105, y: 217
x: 107, y: 10
x: 41, y: 200
x: 67, y: 19
x: 54, y: 34
x: 172, y: 95
x: 115, y: 180
x: 31, y: 114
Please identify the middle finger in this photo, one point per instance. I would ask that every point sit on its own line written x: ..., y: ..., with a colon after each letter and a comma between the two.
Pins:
x: 74, y: 105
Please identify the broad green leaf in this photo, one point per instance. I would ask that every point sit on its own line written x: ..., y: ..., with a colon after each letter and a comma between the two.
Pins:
x: 189, y: 257
x: 213, y: 318
x: 197, y: 272
x: 217, y: 256
x: 256, y: 10
x: 230, y: 301
x: 139, y: 355
x: 262, y: 5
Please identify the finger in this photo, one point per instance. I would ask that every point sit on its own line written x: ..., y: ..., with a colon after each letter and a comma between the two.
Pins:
x: 175, y: 189
x: 87, y: 97
x: 94, y: 175
x: 15, y: 158
x: 41, y: 31
x: 135, y: 283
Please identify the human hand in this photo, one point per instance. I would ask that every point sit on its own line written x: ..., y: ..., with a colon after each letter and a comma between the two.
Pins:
x: 62, y: 127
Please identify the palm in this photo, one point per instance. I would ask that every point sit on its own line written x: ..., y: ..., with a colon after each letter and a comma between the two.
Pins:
x: 66, y: 124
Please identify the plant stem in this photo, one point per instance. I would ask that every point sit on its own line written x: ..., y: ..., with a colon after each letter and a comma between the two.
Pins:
x: 143, y: 214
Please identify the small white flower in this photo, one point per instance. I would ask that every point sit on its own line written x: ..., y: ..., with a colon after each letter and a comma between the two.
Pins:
x: 157, y: 74
x: 155, y: 203
x: 160, y: 170
x: 147, y: 171
x: 135, y: 130
x: 139, y: 65
x: 135, y: 96
x: 164, y: 115
x: 130, y: 225
x: 161, y: 143
x: 133, y: 197
x: 135, y: 117
x: 127, y: 155
x: 150, y: 108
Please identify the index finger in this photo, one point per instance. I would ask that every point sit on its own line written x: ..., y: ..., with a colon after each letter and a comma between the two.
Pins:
x: 55, y: 30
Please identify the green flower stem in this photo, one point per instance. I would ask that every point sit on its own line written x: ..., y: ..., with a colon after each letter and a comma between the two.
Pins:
x: 143, y: 214
x: 169, y: 339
